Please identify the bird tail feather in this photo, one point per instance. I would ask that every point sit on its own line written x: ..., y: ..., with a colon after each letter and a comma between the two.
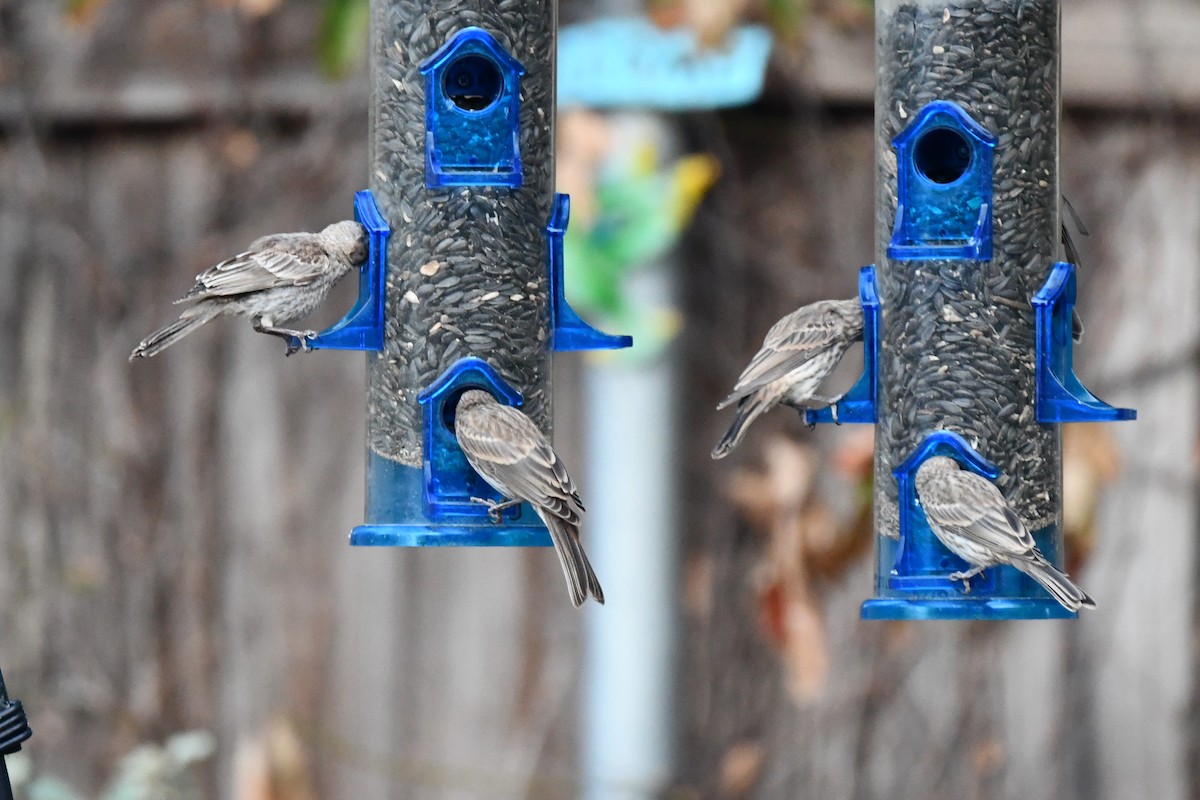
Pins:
x: 747, y: 412
x: 1070, y: 596
x: 164, y: 337
x: 581, y: 579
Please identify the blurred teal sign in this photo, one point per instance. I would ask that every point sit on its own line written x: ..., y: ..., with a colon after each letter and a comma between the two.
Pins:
x: 630, y: 62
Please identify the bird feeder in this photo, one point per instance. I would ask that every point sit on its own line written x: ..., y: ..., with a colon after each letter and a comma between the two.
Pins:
x: 968, y: 308
x: 464, y: 287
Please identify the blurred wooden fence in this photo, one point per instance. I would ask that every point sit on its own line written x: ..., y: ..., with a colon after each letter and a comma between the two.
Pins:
x: 174, y: 551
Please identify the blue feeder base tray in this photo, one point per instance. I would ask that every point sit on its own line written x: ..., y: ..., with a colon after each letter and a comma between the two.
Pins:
x: 966, y: 608
x: 398, y: 515
x: 450, y: 536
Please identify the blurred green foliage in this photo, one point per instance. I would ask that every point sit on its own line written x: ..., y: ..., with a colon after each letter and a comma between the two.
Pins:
x: 342, y: 42
x: 642, y: 208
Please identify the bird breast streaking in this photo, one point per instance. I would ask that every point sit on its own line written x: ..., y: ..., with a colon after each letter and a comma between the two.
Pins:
x: 970, y: 516
x: 509, y: 452
x: 799, y: 353
x: 279, y: 278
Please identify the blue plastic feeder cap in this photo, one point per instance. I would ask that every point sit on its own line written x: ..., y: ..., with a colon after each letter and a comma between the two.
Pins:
x: 912, y: 572
x: 432, y: 506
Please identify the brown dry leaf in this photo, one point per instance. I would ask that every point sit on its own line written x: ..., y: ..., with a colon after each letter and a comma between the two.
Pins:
x: 819, y: 530
x: 273, y: 766
x: 241, y: 149
x: 259, y: 8
x: 789, y: 614
x: 988, y: 757
x: 251, y: 8
x: 711, y: 19
x: 806, y: 649
x: 780, y: 488
x: 84, y: 12
x: 667, y: 13
x: 698, y: 587
x: 854, y: 456
x: 741, y: 767
x: 1091, y: 461
x: 777, y: 500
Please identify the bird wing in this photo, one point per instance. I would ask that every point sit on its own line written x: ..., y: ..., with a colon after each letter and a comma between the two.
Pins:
x: 791, y: 342
x: 271, y: 262
x: 976, y: 510
x: 506, y: 447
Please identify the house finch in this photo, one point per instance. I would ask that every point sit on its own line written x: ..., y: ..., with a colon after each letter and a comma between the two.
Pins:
x: 971, y: 518
x: 1073, y: 257
x: 798, y: 354
x: 511, y: 454
x: 280, y: 278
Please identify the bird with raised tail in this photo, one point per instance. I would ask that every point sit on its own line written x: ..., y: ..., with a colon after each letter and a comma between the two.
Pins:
x: 279, y: 278
x: 970, y: 516
x: 509, y: 452
x: 799, y: 353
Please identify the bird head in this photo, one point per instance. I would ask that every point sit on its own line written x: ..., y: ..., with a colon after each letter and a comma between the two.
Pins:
x: 852, y: 311
x: 472, y: 398
x: 347, y: 239
x: 934, y: 466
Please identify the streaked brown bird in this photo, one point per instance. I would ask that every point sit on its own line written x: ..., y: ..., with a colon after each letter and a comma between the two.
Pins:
x: 970, y: 516
x: 798, y: 354
x: 511, y: 454
x: 279, y: 278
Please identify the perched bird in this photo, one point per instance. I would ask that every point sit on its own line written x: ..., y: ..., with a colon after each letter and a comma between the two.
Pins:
x: 279, y: 278
x: 971, y: 518
x: 1073, y: 256
x: 511, y: 454
x: 798, y: 354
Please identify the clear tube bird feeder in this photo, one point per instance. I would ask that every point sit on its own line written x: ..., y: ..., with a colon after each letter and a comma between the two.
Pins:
x: 972, y: 355
x: 464, y: 285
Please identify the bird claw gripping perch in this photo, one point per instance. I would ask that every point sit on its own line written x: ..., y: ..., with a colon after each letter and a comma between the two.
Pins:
x: 495, y: 510
x: 301, y: 343
x: 965, y: 577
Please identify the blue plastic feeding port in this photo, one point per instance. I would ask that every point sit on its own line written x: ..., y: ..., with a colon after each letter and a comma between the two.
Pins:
x: 858, y: 404
x: 567, y: 331
x: 433, y: 506
x: 472, y: 113
x: 362, y: 327
x: 918, y: 586
x: 943, y: 187
x: 1061, y: 397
